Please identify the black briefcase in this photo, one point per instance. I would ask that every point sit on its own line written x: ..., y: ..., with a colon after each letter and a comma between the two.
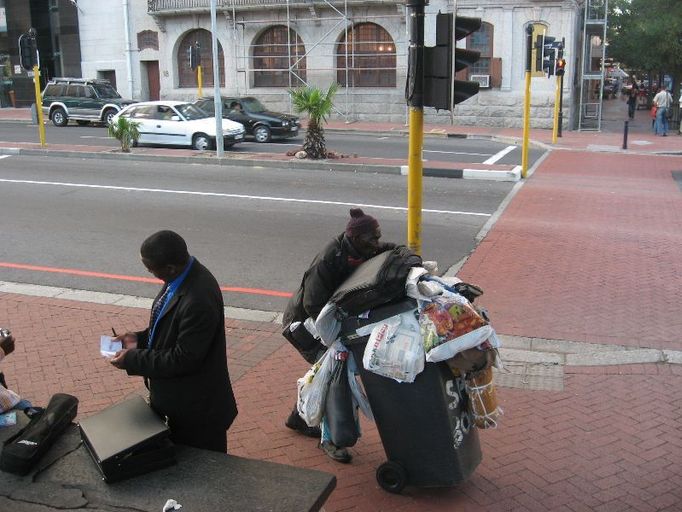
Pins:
x: 127, y: 439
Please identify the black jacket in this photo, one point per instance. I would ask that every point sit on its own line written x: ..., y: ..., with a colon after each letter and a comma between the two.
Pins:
x: 186, y: 367
x: 330, y: 268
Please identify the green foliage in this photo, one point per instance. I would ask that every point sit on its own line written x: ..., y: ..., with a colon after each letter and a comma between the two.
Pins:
x: 646, y: 34
x: 125, y: 131
x: 317, y: 104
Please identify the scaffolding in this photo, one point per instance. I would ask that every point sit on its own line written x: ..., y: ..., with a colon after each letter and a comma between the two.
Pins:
x: 325, y: 47
x: 593, y: 65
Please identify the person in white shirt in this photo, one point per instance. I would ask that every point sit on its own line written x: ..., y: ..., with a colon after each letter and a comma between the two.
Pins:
x: 663, y: 101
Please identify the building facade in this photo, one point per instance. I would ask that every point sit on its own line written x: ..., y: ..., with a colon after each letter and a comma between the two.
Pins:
x: 265, y: 47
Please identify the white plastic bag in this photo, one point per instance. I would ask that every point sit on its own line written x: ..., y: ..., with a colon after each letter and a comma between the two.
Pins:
x: 451, y: 348
x: 395, y: 348
x: 312, y: 390
x: 327, y: 324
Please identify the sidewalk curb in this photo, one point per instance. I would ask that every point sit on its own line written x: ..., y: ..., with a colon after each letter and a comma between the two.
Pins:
x: 294, y: 164
x: 515, y: 349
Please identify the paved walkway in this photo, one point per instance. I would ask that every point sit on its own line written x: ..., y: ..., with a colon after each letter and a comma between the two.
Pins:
x: 583, y: 278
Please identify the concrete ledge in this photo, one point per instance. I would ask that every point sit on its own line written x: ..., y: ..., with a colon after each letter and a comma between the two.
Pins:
x: 615, y: 357
x: 478, y: 174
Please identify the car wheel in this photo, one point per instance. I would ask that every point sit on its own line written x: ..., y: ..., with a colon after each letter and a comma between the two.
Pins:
x: 135, y: 143
x: 262, y: 133
x: 201, y: 142
x: 83, y: 123
x: 108, y: 116
x: 59, y: 117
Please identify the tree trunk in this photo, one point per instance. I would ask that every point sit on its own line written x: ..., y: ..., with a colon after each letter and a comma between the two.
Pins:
x: 314, y: 144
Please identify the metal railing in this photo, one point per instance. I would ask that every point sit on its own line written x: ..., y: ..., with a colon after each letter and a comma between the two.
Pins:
x: 160, y: 6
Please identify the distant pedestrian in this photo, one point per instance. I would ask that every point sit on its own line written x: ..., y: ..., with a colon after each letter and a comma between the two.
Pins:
x: 663, y: 101
x: 632, y: 99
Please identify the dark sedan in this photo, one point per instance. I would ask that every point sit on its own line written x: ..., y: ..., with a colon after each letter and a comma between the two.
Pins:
x: 258, y: 121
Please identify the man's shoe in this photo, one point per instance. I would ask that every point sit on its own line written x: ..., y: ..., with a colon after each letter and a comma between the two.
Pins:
x: 335, y: 453
x: 295, y: 422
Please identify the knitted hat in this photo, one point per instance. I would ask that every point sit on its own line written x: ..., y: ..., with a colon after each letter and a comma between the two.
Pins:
x: 360, y: 223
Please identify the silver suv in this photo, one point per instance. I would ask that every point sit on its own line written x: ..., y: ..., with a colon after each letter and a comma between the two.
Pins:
x: 82, y: 100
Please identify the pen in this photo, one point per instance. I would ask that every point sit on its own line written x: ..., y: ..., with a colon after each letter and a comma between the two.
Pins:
x: 112, y: 330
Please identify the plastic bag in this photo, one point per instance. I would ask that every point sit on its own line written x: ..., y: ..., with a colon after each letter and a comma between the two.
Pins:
x: 450, y: 324
x: 327, y: 324
x: 339, y: 408
x: 359, y: 395
x: 395, y: 349
x: 312, y: 390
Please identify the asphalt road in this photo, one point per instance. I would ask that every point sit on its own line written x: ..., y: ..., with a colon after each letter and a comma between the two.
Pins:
x: 254, y: 228
x: 373, y: 146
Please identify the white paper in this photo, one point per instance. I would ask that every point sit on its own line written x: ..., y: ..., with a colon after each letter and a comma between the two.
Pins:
x: 108, y: 347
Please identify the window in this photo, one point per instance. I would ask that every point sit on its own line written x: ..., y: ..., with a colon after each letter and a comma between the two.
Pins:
x: 148, y: 39
x: 482, y: 40
x: 538, y: 30
x: 75, y: 91
x: 274, y: 53
x: 366, y: 58
x: 187, y: 77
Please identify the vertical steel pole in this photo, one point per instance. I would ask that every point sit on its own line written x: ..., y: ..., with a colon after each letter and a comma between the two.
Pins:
x: 555, y: 128
x: 199, y: 82
x: 561, y: 103
x: 217, y: 100
x: 414, y: 94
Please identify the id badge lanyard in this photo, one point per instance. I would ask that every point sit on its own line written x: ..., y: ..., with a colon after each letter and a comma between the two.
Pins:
x: 172, y: 288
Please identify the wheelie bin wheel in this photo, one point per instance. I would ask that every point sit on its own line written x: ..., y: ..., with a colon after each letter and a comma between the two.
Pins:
x: 392, y: 477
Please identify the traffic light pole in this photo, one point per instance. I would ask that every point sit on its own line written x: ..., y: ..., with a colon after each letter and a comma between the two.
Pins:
x: 414, y: 94
x: 39, y: 104
x: 526, y: 106
x: 561, y: 104
x: 557, y: 99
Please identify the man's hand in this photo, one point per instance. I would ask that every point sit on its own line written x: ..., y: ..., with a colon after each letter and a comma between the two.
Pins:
x: 7, y: 344
x: 119, y: 359
x: 128, y: 340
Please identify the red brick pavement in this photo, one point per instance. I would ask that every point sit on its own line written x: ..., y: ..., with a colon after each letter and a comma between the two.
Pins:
x: 588, y: 250
x: 609, y: 441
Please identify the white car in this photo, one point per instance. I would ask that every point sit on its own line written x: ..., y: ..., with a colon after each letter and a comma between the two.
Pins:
x: 176, y: 123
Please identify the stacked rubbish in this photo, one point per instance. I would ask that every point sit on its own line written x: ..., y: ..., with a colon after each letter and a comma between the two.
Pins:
x: 422, y: 333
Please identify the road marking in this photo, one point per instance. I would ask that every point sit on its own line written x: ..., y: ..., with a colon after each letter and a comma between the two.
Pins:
x: 4, y: 156
x: 235, y: 196
x: 137, y: 279
x: 500, y: 155
x: 455, y: 152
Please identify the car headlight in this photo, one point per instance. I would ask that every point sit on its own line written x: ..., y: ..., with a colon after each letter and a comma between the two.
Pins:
x: 285, y: 123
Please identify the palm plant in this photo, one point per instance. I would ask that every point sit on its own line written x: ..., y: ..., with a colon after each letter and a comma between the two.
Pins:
x: 125, y: 131
x: 318, y: 105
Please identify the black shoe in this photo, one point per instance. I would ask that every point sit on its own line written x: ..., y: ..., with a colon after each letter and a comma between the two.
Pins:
x: 336, y: 453
x: 295, y: 422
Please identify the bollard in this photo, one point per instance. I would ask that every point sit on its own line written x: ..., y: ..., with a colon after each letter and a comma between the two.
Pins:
x: 625, y: 135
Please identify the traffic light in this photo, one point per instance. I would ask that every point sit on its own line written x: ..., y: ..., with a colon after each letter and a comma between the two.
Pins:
x: 545, y: 56
x: 560, y: 67
x: 194, y: 55
x: 28, y: 51
x: 438, y: 63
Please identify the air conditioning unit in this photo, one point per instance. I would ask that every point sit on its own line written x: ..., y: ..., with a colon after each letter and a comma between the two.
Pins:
x: 483, y: 80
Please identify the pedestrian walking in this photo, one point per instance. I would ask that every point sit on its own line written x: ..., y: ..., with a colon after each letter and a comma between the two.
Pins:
x: 663, y: 101
x: 330, y: 268
x: 632, y: 99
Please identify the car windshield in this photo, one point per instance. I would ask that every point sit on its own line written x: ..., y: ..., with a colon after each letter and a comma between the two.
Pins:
x: 106, y: 91
x: 190, y: 112
x: 253, y: 105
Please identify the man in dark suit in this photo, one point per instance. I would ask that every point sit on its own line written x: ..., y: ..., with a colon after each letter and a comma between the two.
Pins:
x: 182, y: 354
